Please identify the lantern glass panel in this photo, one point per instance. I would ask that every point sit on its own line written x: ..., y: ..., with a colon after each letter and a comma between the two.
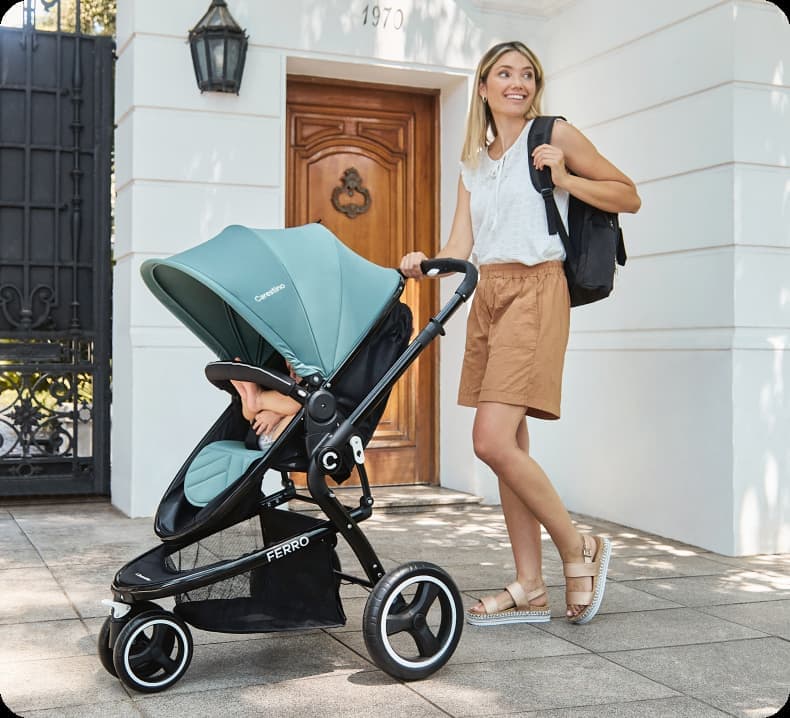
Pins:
x: 200, y: 51
x: 234, y: 45
x: 217, y: 50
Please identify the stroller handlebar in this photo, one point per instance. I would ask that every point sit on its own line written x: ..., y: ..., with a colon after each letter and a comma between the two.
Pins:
x: 433, y: 267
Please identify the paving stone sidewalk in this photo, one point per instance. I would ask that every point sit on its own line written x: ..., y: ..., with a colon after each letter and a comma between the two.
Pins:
x: 682, y: 632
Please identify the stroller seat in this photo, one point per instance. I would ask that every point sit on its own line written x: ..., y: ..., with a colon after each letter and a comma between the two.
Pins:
x: 216, y: 466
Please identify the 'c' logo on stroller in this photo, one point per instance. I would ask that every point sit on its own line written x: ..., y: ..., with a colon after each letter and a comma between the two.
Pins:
x: 269, y: 292
x: 287, y: 548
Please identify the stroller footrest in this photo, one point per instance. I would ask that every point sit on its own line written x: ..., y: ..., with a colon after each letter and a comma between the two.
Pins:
x: 153, y: 575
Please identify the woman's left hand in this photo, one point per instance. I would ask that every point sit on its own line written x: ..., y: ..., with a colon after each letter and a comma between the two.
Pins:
x: 552, y: 157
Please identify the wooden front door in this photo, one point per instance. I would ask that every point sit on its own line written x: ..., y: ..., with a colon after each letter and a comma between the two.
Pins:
x: 362, y: 160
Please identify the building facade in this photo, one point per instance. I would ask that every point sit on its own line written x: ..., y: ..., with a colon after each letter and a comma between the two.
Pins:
x: 676, y: 407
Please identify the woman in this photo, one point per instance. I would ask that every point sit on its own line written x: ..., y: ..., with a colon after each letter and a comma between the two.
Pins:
x: 517, y: 329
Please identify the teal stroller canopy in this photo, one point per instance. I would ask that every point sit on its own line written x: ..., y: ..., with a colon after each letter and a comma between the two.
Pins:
x: 299, y: 292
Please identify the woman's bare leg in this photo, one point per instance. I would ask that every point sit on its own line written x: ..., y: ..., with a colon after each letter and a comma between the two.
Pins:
x: 495, y: 436
x: 524, y: 531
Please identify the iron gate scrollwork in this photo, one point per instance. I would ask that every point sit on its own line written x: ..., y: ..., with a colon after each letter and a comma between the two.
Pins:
x: 56, y: 130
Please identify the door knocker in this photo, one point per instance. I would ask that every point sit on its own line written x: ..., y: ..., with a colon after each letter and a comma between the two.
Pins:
x: 351, y: 182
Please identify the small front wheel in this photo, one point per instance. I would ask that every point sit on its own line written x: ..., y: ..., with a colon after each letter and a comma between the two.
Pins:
x: 413, y: 620
x: 103, y: 642
x: 153, y: 650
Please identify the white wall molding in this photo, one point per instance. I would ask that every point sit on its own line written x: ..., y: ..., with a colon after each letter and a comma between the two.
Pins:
x: 538, y: 8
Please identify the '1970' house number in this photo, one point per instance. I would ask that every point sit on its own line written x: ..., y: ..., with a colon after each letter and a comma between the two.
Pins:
x: 384, y: 17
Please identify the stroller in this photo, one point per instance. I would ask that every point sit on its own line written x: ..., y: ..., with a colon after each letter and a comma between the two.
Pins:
x: 236, y: 558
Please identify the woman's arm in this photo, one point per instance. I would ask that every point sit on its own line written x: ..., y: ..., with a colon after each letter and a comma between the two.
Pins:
x: 595, y: 180
x: 459, y: 244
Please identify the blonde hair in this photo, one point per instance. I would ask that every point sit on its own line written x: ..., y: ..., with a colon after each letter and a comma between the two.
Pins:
x: 480, y: 122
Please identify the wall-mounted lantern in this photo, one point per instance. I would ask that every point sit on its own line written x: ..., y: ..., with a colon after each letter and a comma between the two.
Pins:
x: 219, y: 48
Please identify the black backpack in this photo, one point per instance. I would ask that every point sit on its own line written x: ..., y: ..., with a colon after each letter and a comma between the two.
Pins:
x: 593, y: 241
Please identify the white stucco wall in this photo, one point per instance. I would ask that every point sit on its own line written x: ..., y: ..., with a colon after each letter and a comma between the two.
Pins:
x: 189, y: 164
x: 675, y: 401
x: 674, y: 388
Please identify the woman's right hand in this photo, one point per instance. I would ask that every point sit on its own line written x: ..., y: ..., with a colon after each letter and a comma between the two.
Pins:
x: 410, y: 265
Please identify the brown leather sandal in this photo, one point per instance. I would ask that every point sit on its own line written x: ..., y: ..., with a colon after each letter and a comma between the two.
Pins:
x: 521, y: 611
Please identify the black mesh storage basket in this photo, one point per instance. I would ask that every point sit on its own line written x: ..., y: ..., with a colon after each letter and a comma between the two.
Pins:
x: 298, y: 591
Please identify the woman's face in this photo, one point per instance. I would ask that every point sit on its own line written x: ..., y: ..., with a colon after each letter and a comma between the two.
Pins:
x: 510, y: 86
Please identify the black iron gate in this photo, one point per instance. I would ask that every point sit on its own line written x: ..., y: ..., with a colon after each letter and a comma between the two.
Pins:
x: 56, y: 130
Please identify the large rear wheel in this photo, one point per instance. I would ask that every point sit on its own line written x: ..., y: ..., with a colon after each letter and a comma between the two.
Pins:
x: 413, y: 620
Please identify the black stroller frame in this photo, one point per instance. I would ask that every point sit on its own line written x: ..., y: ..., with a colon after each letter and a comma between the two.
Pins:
x: 149, y: 648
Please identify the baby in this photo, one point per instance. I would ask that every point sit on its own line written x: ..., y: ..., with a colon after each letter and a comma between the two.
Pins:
x: 267, y: 410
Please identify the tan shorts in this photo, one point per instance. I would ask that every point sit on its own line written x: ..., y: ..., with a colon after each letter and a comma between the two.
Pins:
x: 516, y: 337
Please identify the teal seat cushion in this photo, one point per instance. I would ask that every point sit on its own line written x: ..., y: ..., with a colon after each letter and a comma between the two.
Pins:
x: 216, y: 466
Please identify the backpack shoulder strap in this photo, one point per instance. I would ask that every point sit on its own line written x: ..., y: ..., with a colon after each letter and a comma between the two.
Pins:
x: 540, y: 134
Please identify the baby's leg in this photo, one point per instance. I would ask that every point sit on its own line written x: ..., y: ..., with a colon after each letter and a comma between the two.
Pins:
x: 249, y: 392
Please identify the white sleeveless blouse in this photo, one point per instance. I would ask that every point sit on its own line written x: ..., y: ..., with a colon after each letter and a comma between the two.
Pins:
x: 508, y: 214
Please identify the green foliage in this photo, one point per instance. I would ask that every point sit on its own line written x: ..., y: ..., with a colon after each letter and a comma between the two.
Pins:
x: 97, y: 17
x: 45, y: 389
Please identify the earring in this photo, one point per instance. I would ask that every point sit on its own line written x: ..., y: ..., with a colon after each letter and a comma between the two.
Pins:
x: 485, y: 99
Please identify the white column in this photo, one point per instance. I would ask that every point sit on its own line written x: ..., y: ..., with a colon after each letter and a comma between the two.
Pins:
x: 187, y: 165
x: 761, y: 288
